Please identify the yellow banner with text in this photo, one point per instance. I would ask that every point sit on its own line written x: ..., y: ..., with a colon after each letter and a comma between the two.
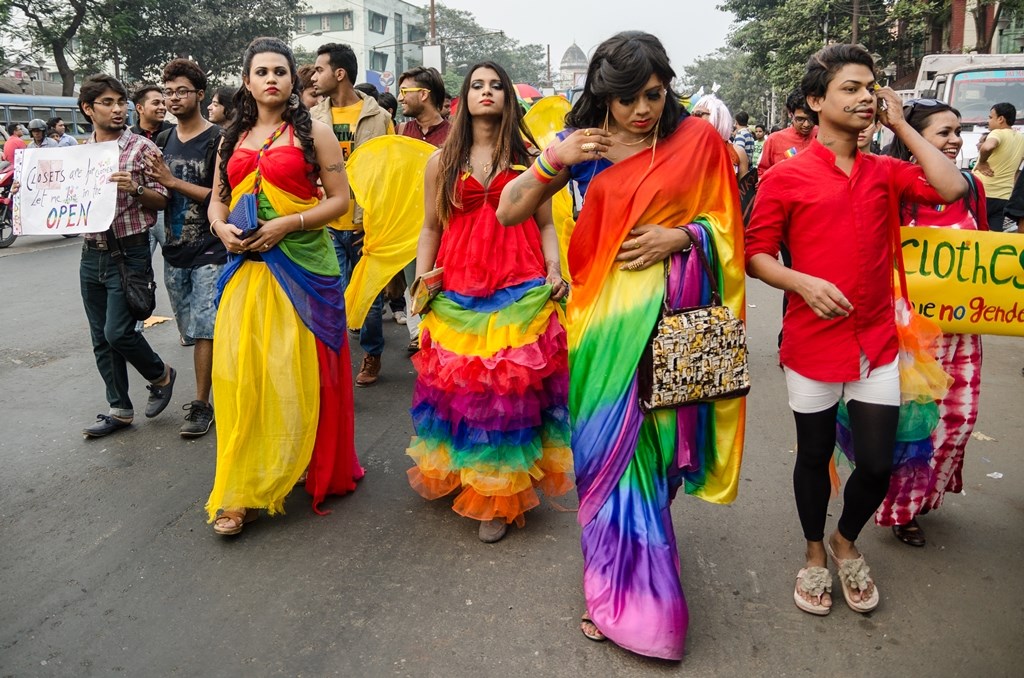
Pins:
x: 969, y: 282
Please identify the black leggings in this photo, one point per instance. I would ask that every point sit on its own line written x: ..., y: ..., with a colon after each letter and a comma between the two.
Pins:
x: 874, y: 435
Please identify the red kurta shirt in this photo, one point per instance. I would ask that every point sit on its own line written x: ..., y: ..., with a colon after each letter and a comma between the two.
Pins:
x: 837, y: 228
x: 786, y: 143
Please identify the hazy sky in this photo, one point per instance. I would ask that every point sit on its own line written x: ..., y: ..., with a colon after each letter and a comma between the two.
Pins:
x: 687, y: 28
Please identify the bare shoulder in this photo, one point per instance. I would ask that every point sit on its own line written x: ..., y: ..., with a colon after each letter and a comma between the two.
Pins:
x: 322, y: 130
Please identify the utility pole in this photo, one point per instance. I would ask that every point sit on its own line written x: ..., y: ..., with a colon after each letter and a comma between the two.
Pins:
x: 433, y: 24
x: 549, y: 83
x: 856, y: 22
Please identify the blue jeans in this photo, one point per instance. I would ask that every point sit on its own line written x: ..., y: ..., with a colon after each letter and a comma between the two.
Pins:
x: 115, y: 343
x: 193, y: 294
x: 371, y: 335
x: 157, y: 235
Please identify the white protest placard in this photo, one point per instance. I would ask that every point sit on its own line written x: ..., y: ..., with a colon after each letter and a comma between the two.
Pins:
x: 65, y: 190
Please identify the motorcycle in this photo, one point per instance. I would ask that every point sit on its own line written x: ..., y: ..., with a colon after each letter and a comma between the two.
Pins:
x: 7, y: 236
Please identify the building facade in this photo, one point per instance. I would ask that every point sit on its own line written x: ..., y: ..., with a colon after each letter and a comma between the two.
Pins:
x: 572, y: 69
x: 386, y: 35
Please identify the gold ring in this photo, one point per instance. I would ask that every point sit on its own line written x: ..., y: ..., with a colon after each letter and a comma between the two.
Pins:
x: 636, y: 244
x: 636, y: 264
x: 586, y: 132
x: 588, y: 147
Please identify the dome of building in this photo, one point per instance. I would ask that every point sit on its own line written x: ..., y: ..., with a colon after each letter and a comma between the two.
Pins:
x: 574, y: 59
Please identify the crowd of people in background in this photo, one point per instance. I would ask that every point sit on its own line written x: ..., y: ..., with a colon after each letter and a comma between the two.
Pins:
x: 526, y: 372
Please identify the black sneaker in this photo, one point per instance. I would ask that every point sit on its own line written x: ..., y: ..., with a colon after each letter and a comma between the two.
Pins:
x: 105, y: 425
x: 160, y: 396
x: 198, y: 420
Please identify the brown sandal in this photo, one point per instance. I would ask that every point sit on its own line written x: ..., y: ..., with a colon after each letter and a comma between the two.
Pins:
x: 234, y: 520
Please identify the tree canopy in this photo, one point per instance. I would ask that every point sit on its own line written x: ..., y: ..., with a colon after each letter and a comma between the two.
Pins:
x: 52, y: 24
x: 465, y: 42
x: 139, y: 36
x: 743, y: 87
x: 771, y: 41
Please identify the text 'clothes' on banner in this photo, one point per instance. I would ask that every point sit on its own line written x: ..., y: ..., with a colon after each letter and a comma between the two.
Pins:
x: 969, y: 282
x: 65, y: 190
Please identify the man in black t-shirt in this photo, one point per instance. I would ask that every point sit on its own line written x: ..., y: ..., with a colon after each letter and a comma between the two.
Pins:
x: 193, y: 257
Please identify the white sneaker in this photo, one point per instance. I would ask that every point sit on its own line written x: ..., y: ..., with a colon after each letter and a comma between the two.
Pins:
x: 400, y: 317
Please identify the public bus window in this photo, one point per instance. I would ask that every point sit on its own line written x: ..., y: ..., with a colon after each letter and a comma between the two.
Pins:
x: 20, y: 114
x: 68, y: 116
x: 42, y: 113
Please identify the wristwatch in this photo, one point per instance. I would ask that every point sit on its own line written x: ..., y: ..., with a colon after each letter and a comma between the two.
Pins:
x: 140, y: 190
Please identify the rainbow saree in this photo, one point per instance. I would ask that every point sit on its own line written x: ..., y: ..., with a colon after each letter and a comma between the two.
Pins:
x: 629, y: 465
x: 282, y: 386
x: 490, y: 401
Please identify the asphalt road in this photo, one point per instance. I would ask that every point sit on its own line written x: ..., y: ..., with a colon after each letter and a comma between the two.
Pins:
x: 107, y: 566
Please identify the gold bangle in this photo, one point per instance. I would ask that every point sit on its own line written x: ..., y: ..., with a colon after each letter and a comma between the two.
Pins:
x: 302, y: 222
x: 213, y: 232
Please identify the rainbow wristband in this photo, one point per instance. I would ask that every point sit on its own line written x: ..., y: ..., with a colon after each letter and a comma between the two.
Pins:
x: 543, y: 169
x: 541, y: 174
x: 552, y: 160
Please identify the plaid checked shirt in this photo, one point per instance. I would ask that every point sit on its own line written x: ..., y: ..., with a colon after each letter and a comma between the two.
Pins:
x: 130, y: 216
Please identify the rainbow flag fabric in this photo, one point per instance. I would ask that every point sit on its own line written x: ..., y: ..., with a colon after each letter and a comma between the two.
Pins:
x: 629, y: 465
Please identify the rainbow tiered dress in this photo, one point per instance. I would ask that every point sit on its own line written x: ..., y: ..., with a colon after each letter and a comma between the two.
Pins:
x: 489, y: 406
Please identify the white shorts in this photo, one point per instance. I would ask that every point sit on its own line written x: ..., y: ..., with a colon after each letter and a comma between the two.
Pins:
x: 882, y: 387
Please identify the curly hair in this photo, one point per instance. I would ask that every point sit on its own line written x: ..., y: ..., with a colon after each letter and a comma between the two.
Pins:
x: 177, y: 68
x: 621, y: 65
x: 510, y: 149
x: 306, y: 72
x: 246, y: 112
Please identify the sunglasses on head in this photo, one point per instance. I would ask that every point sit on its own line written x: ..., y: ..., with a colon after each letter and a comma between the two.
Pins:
x: 914, y: 104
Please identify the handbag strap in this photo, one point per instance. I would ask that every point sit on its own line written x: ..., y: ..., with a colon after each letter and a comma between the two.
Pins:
x: 111, y: 238
x: 259, y: 156
x: 896, y: 240
x: 697, y: 246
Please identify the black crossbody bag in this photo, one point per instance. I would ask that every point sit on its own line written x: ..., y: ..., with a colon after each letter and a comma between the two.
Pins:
x: 139, y: 286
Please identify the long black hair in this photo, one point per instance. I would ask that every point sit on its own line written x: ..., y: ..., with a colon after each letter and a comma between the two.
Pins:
x: 246, y: 112
x: 620, y: 67
x: 917, y: 112
x: 510, y: 148
x: 226, y: 98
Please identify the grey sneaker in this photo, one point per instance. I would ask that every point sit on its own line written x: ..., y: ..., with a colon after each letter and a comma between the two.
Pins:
x: 160, y: 396
x: 198, y: 420
x: 491, y: 531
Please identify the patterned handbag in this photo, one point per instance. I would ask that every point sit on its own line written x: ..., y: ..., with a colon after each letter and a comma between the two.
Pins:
x: 695, y: 354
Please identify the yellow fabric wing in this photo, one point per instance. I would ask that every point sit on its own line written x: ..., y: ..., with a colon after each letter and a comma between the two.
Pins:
x: 544, y: 120
x: 386, y: 176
